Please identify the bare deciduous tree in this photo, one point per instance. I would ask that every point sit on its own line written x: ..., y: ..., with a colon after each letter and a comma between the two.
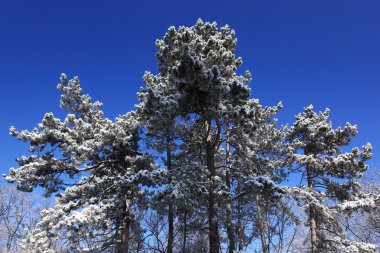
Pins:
x: 19, y: 212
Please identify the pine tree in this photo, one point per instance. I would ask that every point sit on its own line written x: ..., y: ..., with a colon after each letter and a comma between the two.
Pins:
x: 223, y: 158
x: 157, y: 111
x: 93, y: 166
x: 200, y: 62
x: 257, y: 161
x: 198, y: 67
x: 316, y: 153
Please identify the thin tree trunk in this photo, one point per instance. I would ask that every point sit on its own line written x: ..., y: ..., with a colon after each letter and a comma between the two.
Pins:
x: 124, y: 247
x: 170, y: 212
x: 171, y: 229
x: 239, y: 242
x: 312, y: 216
x: 184, y: 232
x: 261, y: 225
x: 230, y: 232
x: 9, y: 240
x: 125, y: 238
x: 212, y: 215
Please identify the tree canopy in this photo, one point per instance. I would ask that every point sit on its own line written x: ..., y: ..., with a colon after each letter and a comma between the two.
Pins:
x: 198, y: 166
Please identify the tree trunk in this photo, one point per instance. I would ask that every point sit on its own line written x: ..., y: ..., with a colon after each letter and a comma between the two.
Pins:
x: 171, y: 229
x: 230, y: 232
x: 312, y: 216
x: 9, y: 240
x: 125, y: 239
x: 239, y: 229
x: 184, y: 232
x: 170, y: 212
x: 261, y: 225
x: 124, y: 245
x: 212, y: 214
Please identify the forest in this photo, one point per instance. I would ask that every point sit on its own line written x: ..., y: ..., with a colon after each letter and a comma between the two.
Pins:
x: 199, y: 165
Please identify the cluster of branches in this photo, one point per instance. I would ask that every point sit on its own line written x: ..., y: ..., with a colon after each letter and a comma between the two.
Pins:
x: 198, y: 166
x: 19, y: 213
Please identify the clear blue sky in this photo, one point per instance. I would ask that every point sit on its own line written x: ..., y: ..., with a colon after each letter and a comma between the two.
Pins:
x: 322, y: 52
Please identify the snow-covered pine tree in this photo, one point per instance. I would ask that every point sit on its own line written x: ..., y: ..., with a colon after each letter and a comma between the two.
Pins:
x: 223, y: 153
x: 200, y: 62
x: 96, y: 162
x: 157, y: 111
x: 257, y: 162
x: 167, y: 133
x: 316, y: 153
x: 173, y: 138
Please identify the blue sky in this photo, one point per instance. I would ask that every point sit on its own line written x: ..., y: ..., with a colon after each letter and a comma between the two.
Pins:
x: 300, y: 52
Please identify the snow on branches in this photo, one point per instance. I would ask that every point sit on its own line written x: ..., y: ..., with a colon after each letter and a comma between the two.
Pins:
x: 224, y: 161
x: 95, y: 160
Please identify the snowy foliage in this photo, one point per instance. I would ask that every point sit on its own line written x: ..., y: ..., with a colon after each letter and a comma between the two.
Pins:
x: 200, y: 61
x: 337, y: 244
x: 100, y: 162
x: 224, y: 163
x: 330, y: 174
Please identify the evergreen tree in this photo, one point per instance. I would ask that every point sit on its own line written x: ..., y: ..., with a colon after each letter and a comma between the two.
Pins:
x: 94, y: 167
x: 223, y: 163
x: 197, y: 82
x: 316, y: 153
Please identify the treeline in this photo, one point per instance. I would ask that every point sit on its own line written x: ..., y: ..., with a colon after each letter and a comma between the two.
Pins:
x: 198, y: 166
